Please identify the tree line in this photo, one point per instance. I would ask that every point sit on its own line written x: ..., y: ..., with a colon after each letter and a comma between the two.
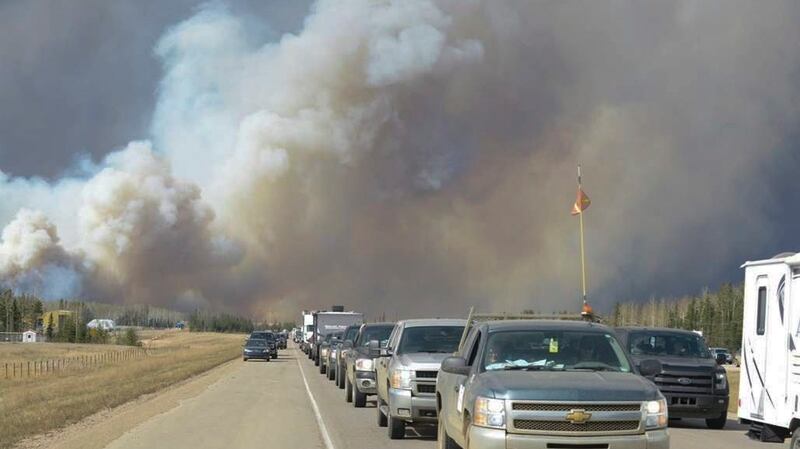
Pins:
x: 209, y: 321
x: 717, y: 314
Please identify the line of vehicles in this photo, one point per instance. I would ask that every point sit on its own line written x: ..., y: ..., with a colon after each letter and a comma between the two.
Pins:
x: 264, y: 345
x: 497, y: 381
x: 501, y: 381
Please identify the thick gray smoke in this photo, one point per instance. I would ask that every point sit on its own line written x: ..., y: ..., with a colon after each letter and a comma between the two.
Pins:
x: 419, y: 156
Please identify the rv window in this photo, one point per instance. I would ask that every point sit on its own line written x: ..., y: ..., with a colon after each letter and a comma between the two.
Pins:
x: 761, y: 318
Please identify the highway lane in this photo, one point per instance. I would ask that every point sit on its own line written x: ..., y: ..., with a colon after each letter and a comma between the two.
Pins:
x: 266, y: 405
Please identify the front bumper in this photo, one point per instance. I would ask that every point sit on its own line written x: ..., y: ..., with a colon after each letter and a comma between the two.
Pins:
x: 699, y: 406
x: 365, y: 382
x: 485, y: 438
x: 256, y: 355
x: 410, y: 408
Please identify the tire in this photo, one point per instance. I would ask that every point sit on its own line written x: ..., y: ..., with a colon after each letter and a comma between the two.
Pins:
x: 321, y: 368
x: 442, y: 440
x: 396, y: 428
x: 718, y: 422
x: 382, y: 421
x: 340, y: 378
x: 359, y: 398
x: 331, y: 374
x: 795, y: 440
x: 244, y: 359
x: 348, y: 391
x: 316, y: 361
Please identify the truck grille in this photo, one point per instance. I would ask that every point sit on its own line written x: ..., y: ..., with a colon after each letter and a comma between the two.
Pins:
x: 549, y: 407
x: 561, y: 418
x: 565, y: 426
x: 677, y: 383
x: 427, y: 374
x: 426, y: 388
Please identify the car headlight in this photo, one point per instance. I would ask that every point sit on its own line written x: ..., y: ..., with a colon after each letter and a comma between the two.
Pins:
x: 490, y: 413
x: 720, y: 380
x: 401, y: 379
x: 364, y: 365
x: 656, y: 414
x: 333, y: 354
x: 324, y: 352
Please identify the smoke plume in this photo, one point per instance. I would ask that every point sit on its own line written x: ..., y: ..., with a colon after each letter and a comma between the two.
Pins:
x: 418, y: 157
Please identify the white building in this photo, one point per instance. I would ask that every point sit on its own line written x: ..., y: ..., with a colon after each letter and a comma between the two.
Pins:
x: 29, y: 337
x: 104, y: 324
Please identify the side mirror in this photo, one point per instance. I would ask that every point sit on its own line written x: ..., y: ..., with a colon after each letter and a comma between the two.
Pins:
x: 455, y: 365
x: 374, y: 347
x: 649, y: 367
x: 386, y: 352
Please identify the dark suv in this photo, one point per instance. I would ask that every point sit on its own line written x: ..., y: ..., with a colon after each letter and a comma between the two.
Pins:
x: 272, y: 342
x: 690, y: 379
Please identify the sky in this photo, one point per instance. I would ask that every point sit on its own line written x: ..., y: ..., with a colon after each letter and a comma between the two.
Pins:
x: 405, y: 158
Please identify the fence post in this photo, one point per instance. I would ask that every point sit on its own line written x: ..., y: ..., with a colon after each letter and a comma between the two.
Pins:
x: 29, y: 369
x: 6, y: 370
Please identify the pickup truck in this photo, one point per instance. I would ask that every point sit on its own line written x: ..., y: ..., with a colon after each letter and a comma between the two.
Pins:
x: 360, y: 364
x: 337, y: 355
x: 547, y: 384
x: 407, y: 370
x: 694, y: 385
x: 325, y: 348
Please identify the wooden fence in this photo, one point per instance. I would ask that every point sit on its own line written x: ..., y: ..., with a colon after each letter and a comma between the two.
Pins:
x: 34, y: 368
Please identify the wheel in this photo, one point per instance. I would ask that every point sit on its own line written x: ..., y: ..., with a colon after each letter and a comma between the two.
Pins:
x: 340, y: 377
x: 795, y: 440
x: 359, y: 398
x: 442, y: 440
x: 381, y: 417
x: 321, y: 368
x: 244, y: 359
x: 316, y: 361
x: 719, y: 421
x: 266, y: 359
x: 348, y: 390
x: 396, y: 428
x: 331, y: 374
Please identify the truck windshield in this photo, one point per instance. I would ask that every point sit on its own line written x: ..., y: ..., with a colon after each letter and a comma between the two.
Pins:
x: 436, y: 339
x: 380, y: 333
x: 351, y: 333
x: 554, y: 351
x: 668, y: 344
x: 254, y: 343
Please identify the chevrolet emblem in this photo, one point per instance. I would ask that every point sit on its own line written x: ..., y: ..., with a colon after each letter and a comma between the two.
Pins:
x: 578, y: 416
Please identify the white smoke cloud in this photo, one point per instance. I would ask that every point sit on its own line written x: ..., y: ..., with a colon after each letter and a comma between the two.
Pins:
x: 422, y: 152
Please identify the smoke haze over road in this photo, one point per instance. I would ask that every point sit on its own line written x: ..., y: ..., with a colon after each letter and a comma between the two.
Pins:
x: 419, y: 157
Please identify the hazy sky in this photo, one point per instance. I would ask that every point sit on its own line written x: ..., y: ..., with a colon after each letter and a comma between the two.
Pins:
x: 81, y: 77
x: 393, y: 156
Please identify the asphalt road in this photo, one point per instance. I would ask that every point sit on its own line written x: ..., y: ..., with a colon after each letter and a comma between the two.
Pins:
x: 267, y: 405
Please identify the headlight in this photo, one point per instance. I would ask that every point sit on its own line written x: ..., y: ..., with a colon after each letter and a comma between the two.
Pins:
x: 324, y: 352
x: 333, y: 354
x: 656, y: 414
x: 401, y: 379
x: 490, y: 413
x: 364, y: 365
x: 720, y: 380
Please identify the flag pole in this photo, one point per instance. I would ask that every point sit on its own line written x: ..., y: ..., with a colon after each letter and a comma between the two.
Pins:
x: 583, y: 253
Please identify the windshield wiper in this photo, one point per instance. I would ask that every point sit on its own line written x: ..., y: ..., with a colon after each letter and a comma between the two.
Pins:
x: 524, y: 368
x: 434, y: 351
x: 589, y: 366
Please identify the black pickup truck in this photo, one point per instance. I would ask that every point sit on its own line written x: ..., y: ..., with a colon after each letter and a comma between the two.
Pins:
x: 694, y: 385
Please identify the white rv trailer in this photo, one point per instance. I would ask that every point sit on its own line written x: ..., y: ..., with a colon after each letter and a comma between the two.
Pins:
x: 769, y: 380
x: 308, y: 325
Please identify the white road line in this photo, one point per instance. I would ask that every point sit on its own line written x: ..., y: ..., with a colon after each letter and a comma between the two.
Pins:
x: 322, y: 428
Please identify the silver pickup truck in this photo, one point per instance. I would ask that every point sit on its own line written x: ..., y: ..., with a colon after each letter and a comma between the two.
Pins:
x: 360, y: 362
x: 546, y: 384
x: 407, y: 369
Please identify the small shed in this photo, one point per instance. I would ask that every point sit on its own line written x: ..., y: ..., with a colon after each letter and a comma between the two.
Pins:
x: 29, y: 337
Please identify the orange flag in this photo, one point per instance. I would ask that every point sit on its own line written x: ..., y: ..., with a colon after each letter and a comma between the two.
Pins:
x: 581, y: 203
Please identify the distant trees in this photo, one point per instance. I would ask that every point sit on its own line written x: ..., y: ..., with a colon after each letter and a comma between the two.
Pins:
x: 19, y: 313
x: 717, y: 314
x: 207, y: 321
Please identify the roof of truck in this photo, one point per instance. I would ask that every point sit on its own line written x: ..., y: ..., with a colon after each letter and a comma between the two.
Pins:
x: 433, y: 322
x: 787, y: 258
x: 548, y: 325
x: 666, y: 330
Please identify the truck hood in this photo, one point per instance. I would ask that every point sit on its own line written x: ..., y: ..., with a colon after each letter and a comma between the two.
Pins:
x: 565, y: 386
x: 423, y: 360
x: 681, y: 363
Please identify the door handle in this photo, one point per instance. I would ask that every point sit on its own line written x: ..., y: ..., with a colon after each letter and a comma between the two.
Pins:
x: 456, y: 388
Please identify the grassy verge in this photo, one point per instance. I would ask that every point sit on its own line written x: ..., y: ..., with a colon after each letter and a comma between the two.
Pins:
x: 36, y: 405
